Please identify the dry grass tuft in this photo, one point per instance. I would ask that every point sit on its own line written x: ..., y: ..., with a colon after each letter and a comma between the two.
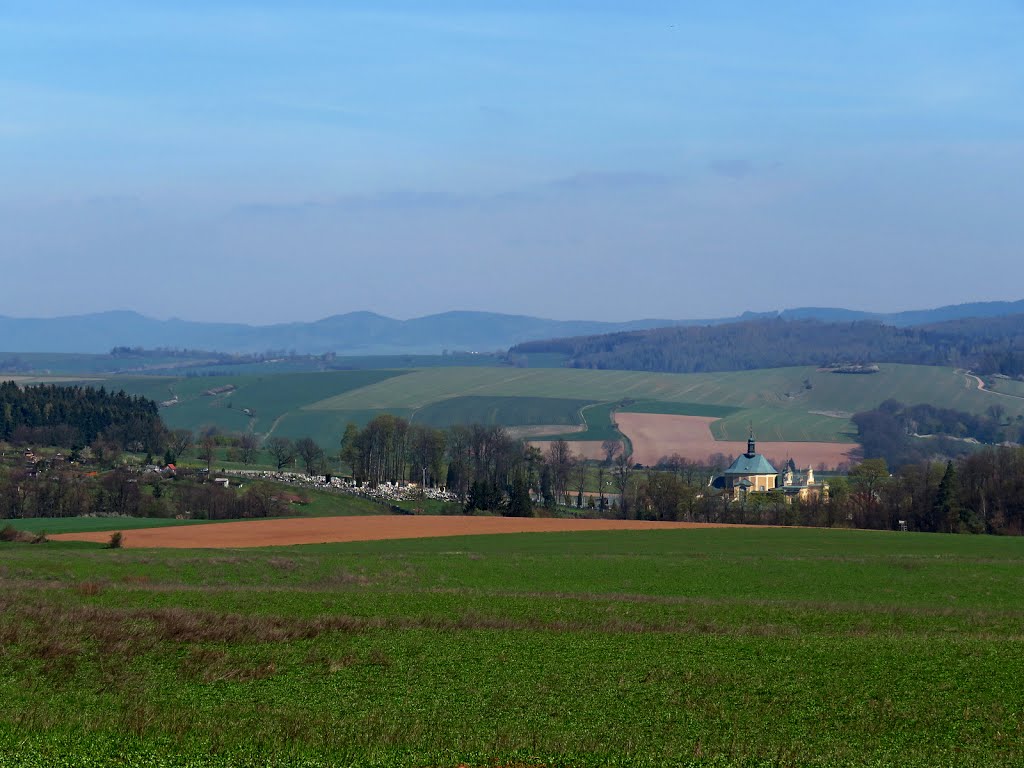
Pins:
x: 330, y: 663
x: 213, y: 665
x: 89, y: 588
x: 282, y: 564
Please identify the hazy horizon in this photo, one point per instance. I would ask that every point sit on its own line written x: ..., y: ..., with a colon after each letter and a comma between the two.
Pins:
x: 247, y: 162
x: 582, y: 318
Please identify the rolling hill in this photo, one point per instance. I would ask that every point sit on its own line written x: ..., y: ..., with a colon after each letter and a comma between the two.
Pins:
x: 792, y: 404
x: 367, y: 333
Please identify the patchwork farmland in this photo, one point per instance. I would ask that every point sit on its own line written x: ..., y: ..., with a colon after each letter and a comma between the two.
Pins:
x: 802, y: 405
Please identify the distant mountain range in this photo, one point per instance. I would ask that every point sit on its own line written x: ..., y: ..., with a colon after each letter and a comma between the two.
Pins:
x: 366, y: 333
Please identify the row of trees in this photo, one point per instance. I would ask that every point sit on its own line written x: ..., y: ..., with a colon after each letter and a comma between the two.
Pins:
x: 483, y: 465
x: 74, y: 494
x: 982, y: 492
x: 491, y: 471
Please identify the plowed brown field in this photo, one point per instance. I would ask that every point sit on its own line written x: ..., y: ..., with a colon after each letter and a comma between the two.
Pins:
x: 657, y: 435
x: 588, y: 449
x: 324, y: 530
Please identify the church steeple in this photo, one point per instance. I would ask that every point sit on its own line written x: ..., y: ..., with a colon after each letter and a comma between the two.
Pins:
x: 751, y: 448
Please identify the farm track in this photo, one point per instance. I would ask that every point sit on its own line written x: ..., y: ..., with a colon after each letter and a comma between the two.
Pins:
x: 981, y: 386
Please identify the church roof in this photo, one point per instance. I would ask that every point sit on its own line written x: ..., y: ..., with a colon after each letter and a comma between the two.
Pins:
x: 751, y: 462
x: 751, y: 465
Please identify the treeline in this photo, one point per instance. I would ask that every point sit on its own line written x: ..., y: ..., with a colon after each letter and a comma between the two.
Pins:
x: 72, y: 493
x: 979, y: 493
x: 483, y: 465
x: 906, y: 434
x: 987, y: 346
x: 76, y: 416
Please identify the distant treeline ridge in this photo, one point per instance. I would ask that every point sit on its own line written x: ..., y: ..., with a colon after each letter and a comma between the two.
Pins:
x: 986, y: 345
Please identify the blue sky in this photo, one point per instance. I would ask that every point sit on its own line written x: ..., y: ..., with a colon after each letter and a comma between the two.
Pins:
x: 267, y: 161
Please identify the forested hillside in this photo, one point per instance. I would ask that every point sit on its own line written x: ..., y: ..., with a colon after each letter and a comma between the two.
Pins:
x: 73, y: 417
x: 985, y: 345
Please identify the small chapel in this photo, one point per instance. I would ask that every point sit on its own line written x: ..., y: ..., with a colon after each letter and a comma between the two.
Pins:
x: 753, y: 473
x: 750, y: 473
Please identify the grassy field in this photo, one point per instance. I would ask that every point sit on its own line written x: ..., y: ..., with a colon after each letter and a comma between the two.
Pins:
x: 783, y: 403
x: 1010, y: 387
x: 679, y: 409
x: 80, y: 524
x: 269, y: 400
x: 598, y: 418
x: 777, y: 400
x: 702, y: 647
x: 506, y: 411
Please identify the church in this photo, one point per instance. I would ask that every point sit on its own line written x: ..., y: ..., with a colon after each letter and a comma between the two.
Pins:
x: 753, y: 473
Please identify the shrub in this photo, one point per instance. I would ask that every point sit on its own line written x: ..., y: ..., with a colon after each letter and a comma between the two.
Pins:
x: 12, y: 534
x: 116, y: 540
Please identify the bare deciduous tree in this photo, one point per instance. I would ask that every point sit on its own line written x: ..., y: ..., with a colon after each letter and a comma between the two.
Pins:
x: 611, y: 449
x: 623, y: 472
x: 178, y: 442
x: 248, y: 447
x: 560, y: 460
x: 312, y: 455
x: 579, y: 476
x: 283, y: 451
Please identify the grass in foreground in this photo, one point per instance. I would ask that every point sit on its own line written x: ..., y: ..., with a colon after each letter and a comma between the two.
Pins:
x: 711, y: 647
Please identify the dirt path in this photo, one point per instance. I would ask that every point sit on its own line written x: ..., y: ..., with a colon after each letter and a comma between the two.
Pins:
x: 981, y: 386
x: 323, y: 530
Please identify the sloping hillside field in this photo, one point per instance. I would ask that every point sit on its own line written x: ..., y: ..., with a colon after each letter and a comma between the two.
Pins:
x: 656, y: 435
x: 712, y: 647
x: 783, y: 404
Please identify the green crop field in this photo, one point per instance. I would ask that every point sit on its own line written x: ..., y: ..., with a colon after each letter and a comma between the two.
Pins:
x: 506, y: 411
x: 1010, y: 387
x: 742, y: 647
x: 777, y: 400
x: 679, y: 409
x: 802, y: 404
x: 80, y: 524
x: 598, y: 419
x: 268, y: 399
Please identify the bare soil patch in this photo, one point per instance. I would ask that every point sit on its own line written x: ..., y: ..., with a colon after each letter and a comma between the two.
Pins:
x: 540, y: 430
x: 588, y: 449
x: 656, y: 435
x: 324, y: 530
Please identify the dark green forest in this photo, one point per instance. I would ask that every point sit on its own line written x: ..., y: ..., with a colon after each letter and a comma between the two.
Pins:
x: 905, y: 434
x: 985, y: 345
x: 75, y: 416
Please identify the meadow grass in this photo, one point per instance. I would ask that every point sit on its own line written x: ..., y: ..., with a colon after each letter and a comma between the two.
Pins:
x: 800, y: 403
x: 699, y: 647
x: 81, y: 524
x: 506, y: 411
x: 777, y: 400
x: 598, y: 420
x: 268, y: 399
x: 679, y: 409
